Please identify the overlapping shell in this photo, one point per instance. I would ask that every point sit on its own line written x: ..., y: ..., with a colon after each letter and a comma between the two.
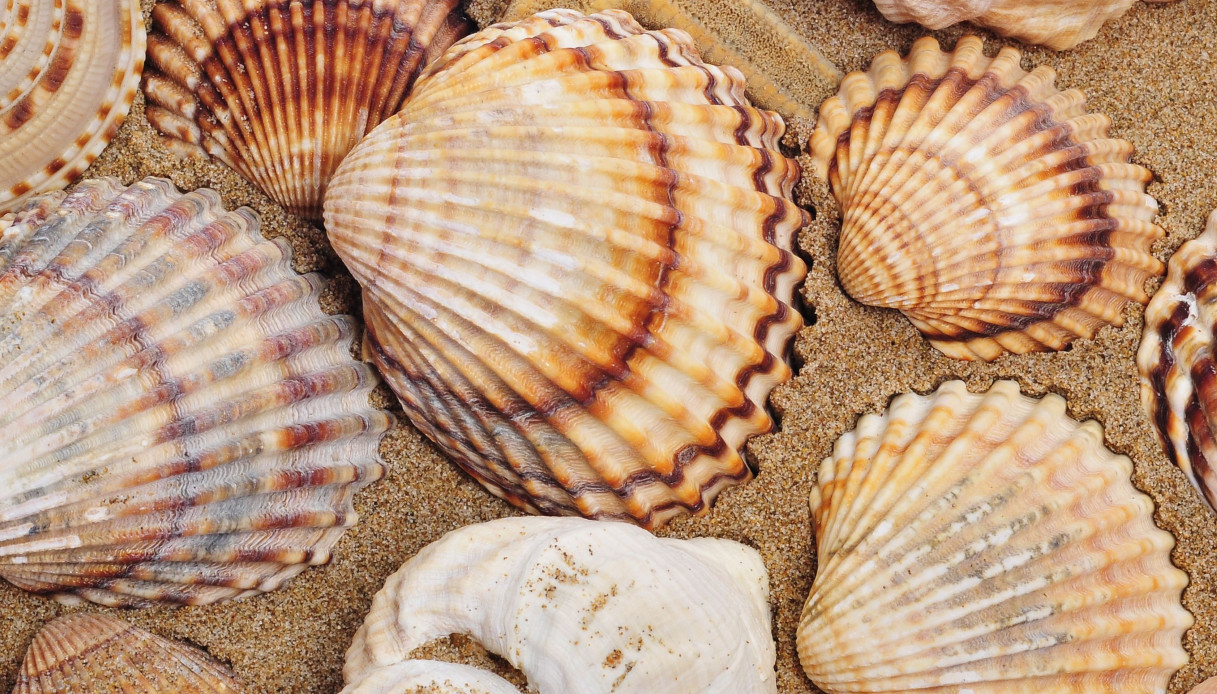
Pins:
x: 982, y: 202
x: 281, y: 91
x: 69, y: 70
x: 582, y: 607
x: 181, y: 421
x: 93, y: 653
x: 575, y: 249
x: 987, y: 543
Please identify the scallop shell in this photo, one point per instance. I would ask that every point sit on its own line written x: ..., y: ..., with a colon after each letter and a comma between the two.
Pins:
x: 575, y: 248
x: 95, y: 653
x: 1176, y: 361
x: 984, y: 203
x: 987, y: 543
x: 281, y: 91
x: 583, y: 607
x: 182, y: 423
x: 427, y: 676
x: 69, y: 70
x: 1209, y: 686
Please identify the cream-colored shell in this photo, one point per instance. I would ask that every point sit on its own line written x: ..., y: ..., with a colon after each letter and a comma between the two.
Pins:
x: 583, y: 607
x: 430, y: 677
x: 987, y: 543
x: 982, y: 202
x: 1209, y: 686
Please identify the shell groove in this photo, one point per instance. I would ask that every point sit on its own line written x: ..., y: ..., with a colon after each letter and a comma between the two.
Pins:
x: 69, y: 70
x: 984, y: 203
x: 1057, y: 24
x: 281, y: 91
x: 574, y: 244
x: 987, y: 543
x: 182, y: 422
x: 582, y: 607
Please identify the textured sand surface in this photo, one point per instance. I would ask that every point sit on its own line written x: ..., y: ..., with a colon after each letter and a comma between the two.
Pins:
x: 1152, y: 72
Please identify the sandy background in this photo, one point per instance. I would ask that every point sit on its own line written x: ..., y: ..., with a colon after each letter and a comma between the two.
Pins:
x: 1152, y: 72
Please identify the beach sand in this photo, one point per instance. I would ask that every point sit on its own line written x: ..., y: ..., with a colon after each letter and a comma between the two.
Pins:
x: 1152, y: 72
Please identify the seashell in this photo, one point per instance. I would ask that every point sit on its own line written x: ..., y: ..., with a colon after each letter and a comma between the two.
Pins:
x: 1176, y: 361
x: 281, y: 91
x: 1209, y: 686
x: 182, y: 423
x: 414, y: 676
x: 69, y: 70
x: 987, y: 543
x: 93, y: 653
x: 984, y: 203
x: 582, y: 607
x: 574, y: 243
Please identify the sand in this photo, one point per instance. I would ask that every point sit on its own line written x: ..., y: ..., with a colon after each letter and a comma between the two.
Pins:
x: 1152, y: 72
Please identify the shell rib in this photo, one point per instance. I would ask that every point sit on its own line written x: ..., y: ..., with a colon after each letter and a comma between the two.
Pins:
x: 575, y: 251
x: 69, y: 70
x: 1176, y: 361
x: 983, y: 203
x: 430, y: 676
x: 987, y: 543
x: 281, y: 91
x: 94, y: 653
x: 182, y: 423
x: 582, y: 607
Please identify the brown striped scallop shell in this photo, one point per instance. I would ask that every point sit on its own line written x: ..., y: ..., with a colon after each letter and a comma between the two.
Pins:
x: 280, y: 90
x: 69, y: 70
x: 982, y: 202
x: 574, y: 244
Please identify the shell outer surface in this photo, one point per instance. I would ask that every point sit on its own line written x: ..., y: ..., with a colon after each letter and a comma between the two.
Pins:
x: 1057, y: 24
x: 97, y: 654
x: 574, y: 243
x: 69, y: 70
x: 182, y: 422
x: 987, y: 543
x: 982, y: 202
x: 582, y: 607
x: 281, y: 91
x: 430, y: 677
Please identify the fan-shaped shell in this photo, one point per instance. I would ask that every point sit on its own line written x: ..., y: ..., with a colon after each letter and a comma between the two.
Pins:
x: 575, y: 249
x: 428, y: 677
x: 181, y: 421
x: 281, y: 91
x: 69, y: 70
x: 987, y: 543
x: 583, y: 607
x: 94, y: 653
x: 982, y: 202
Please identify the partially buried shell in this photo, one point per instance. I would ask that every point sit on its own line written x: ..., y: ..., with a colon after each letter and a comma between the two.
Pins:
x: 987, y: 543
x: 430, y: 677
x: 582, y: 607
x: 982, y: 202
x: 181, y: 421
x: 575, y: 249
x: 69, y: 70
x: 280, y: 91
x: 94, y: 653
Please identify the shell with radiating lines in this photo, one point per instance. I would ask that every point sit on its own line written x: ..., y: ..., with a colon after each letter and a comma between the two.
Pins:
x: 181, y: 423
x: 281, y: 91
x: 984, y: 203
x: 987, y: 542
x: 574, y: 244
x: 69, y: 70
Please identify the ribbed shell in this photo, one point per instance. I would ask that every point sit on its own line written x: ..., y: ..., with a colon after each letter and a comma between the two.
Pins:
x: 982, y: 202
x: 1057, y: 24
x: 583, y: 607
x: 69, y: 70
x: 96, y: 654
x: 1178, y: 372
x: 987, y: 543
x: 281, y: 90
x: 430, y: 677
x: 181, y: 421
x: 575, y: 248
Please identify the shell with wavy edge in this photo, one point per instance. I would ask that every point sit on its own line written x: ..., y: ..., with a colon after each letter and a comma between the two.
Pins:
x: 182, y: 422
x: 982, y: 202
x: 69, y: 70
x: 423, y: 676
x: 93, y: 653
x: 574, y: 243
x: 583, y: 607
x: 281, y: 91
x: 986, y: 542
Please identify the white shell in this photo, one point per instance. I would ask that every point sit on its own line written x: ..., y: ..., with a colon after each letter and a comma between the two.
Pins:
x: 430, y: 676
x: 1057, y: 24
